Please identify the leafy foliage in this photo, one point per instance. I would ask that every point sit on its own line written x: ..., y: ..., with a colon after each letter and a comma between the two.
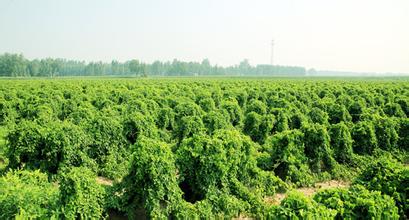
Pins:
x: 363, y: 134
x: 16, y: 65
x: 151, y: 183
x: 317, y: 147
x: 47, y: 146
x: 404, y: 135
x: 297, y: 206
x: 386, y: 133
x: 341, y: 142
x: 358, y: 203
x: 137, y: 125
x: 28, y: 192
x: 287, y: 158
x: 80, y: 195
x: 387, y: 176
x: 220, y: 162
x: 258, y: 127
x: 205, y: 148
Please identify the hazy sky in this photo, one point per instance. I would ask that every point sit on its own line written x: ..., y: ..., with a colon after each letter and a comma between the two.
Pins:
x: 356, y: 35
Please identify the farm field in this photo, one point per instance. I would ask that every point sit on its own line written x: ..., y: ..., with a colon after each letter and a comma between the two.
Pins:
x: 193, y: 148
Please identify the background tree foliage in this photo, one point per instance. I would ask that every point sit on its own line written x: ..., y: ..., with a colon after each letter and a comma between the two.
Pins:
x: 15, y: 65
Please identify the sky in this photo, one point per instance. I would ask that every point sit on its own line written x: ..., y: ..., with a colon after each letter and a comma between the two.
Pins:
x: 343, y: 35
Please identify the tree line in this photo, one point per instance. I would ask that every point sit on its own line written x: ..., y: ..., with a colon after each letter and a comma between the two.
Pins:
x: 16, y: 65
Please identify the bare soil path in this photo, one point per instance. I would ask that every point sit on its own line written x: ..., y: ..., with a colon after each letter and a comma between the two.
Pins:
x: 104, y: 181
x: 308, y: 191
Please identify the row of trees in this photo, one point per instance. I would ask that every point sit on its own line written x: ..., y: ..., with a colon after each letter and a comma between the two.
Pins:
x: 13, y: 65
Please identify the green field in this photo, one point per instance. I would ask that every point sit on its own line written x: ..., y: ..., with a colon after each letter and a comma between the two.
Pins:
x: 193, y: 148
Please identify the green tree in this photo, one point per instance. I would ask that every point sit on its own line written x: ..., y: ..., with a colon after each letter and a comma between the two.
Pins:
x: 136, y: 67
x: 116, y: 68
x: 244, y: 67
x: 13, y: 65
x: 205, y: 67
x: 33, y: 68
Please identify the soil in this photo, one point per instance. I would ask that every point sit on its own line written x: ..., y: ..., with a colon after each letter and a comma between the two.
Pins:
x: 308, y: 191
x: 104, y: 181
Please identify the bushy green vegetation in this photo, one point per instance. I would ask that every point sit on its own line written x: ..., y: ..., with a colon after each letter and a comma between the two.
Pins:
x: 358, y: 203
x: 390, y: 178
x: 297, y: 206
x: 204, y: 148
x: 27, y: 192
x: 80, y: 195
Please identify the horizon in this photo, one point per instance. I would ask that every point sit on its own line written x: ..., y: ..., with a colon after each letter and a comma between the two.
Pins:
x: 317, y: 72
x: 345, y: 36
